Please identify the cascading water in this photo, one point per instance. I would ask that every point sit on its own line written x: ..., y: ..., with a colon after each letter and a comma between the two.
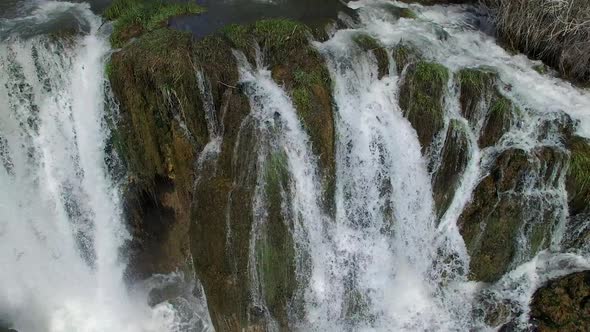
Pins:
x: 60, y: 213
x: 385, y: 261
x: 382, y: 260
x: 385, y: 234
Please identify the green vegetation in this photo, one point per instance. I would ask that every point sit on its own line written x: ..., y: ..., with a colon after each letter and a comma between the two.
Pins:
x: 578, y: 180
x: 281, y: 37
x: 429, y: 71
x: 134, y: 17
x: 476, y: 80
x: 366, y: 42
x: 275, y: 250
x: 541, y: 69
x: 407, y: 13
x: 403, y: 55
x: 238, y: 36
x: 421, y: 98
x: 304, y: 83
x: 153, y: 79
x: 369, y: 44
x: 502, y: 107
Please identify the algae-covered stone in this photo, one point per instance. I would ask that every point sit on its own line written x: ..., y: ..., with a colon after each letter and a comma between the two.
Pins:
x: 498, y: 121
x: 562, y: 304
x: 455, y: 156
x: 299, y: 67
x: 404, y: 54
x: 275, y: 249
x: 502, y: 214
x: 369, y: 44
x: 160, y: 130
x: 421, y: 99
x: 484, y: 106
x: 135, y: 17
x: 578, y: 177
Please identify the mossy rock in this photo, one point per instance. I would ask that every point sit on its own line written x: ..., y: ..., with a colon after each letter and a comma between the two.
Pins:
x: 421, y: 99
x: 501, y: 211
x: 369, y: 44
x: 578, y: 177
x: 403, y: 55
x: 476, y: 84
x: 499, y: 121
x: 562, y: 304
x: 160, y: 130
x: 299, y: 67
x: 481, y: 101
x: 135, y: 17
x: 398, y: 12
x: 455, y: 156
x: 153, y: 79
x: 275, y: 249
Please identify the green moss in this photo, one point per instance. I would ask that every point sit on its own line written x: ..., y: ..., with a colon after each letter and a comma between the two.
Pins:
x: 421, y: 98
x: 108, y: 69
x: 134, y: 17
x: 578, y: 179
x: 541, y: 69
x: 369, y: 44
x: 277, y: 174
x: 430, y: 71
x: 275, y: 248
x: 154, y: 80
x: 408, y: 13
x: 502, y: 107
x: 479, y: 88
x: 281, y: 37
x: 399, y: 12
x: 366, y: 42
x: 404, y: 54
x: 500, y: 117
x: 238, y: 36
x: 476, y: 80
x: 302, y: 99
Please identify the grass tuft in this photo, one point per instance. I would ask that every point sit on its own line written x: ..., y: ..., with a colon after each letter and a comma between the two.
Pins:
x: 134, y: 17
x: 556, y: 31
x: 579, y: 170
x: 476, y: 79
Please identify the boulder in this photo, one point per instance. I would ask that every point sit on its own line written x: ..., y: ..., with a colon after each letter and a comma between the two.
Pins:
x: 509, y: 205
x: 421, y: 99
x: 562, y: 304
x: 454, y: 159
x: 488, y: 111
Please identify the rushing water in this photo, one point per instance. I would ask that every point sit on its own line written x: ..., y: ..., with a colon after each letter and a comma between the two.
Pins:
x: 378, y: 263
x: 60, y: 213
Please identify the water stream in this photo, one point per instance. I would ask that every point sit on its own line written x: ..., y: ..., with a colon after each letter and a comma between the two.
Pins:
x: 380, y: 262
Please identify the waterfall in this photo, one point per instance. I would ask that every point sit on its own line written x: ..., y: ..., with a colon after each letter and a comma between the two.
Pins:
x: 384, y: 257
x: 61, y: 228
x: 384, y: 260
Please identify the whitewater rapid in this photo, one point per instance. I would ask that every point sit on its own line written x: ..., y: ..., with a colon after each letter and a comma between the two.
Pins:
x: 61, y: 230
x: 381, y: 262
x: 384, y: 262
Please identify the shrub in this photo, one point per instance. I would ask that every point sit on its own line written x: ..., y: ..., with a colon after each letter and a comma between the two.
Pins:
x: 134, y: 17
x: 556, y: 31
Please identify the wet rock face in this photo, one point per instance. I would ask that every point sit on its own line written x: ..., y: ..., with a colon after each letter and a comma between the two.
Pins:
x: 421, y: 99
x: 185, y: 203
x: 454, y: 159
x: 160, y: 130
x: 488, y: 112
x: 562, y: 304
x: 578, y: 179
x: 504, y: 209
